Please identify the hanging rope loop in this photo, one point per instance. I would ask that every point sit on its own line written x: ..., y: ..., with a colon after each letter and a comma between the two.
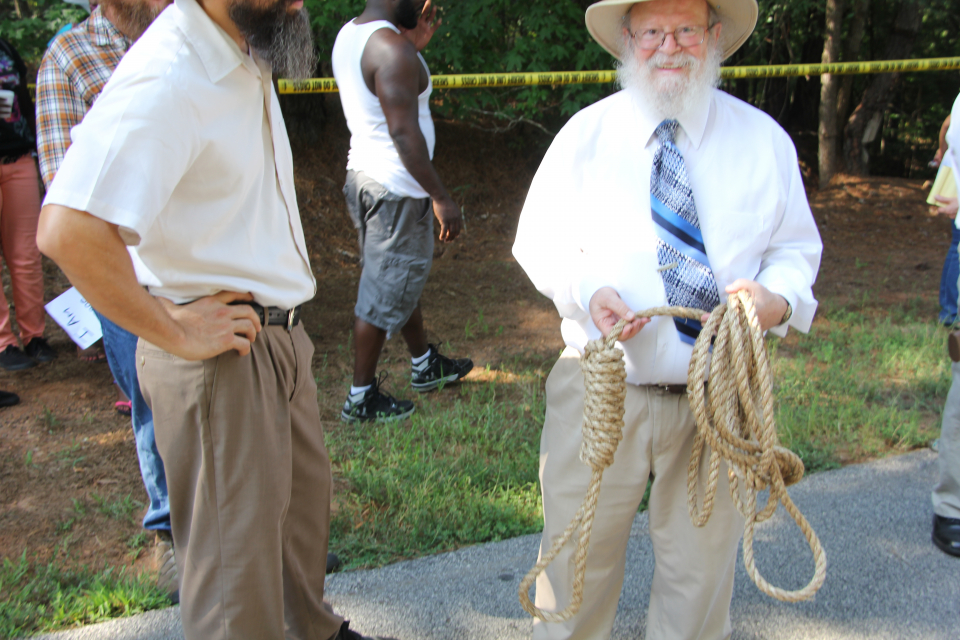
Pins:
x: 735, y: 424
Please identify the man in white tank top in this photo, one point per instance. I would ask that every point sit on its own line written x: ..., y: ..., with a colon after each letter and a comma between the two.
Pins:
x: 391, y: 190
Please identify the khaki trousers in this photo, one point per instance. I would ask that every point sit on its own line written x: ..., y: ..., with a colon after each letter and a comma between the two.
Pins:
x: 693, y: 576
x: 946, y: 494
x: 249, y: 482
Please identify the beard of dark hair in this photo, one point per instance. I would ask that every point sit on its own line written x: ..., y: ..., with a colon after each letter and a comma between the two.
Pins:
x: 408, y: 16
x: 134, y: 17
x: 283, y: 40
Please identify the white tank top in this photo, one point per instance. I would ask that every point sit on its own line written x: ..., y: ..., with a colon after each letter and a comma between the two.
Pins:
x: 371, y: 147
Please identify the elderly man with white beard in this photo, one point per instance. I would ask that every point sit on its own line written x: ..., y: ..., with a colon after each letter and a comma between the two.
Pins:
x: 185, y: 156
x: 669, y: 192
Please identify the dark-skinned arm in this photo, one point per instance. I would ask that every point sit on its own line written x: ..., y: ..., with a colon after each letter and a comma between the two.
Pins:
x: 94, y: 257
x: 391, y: 65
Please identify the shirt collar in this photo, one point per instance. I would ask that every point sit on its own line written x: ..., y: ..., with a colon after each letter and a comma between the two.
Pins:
x: 218, y: 52
x: 104, y: 33
x: 693, y: 121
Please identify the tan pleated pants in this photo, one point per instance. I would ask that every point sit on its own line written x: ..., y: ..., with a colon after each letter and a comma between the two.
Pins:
x: 693, y: 577
x: 249, y: 482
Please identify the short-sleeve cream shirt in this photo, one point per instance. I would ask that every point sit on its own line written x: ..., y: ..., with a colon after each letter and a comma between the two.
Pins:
x: 186, y: 151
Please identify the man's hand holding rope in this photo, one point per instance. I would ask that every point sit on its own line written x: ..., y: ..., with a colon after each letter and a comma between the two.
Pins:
x: 607, y: 308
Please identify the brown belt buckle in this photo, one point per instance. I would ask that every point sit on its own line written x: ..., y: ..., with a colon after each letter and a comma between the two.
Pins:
x: 953, y: 345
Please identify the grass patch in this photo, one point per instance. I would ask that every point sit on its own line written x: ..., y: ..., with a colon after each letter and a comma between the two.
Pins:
x: 117, y: 508
x: 858, y: 386
x: 457, y: 473
x: 464, y: 471
x: 37, y: 598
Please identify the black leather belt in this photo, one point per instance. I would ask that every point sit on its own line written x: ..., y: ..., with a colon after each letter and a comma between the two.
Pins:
x: 672, y: 389
x: 288, y: 318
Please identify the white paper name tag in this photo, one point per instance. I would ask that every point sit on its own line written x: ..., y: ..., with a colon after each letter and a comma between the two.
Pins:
x: 76, y: 316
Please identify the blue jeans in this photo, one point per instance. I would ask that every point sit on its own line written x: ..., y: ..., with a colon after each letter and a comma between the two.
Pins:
x: 948, y: 281
x: 121, y: 348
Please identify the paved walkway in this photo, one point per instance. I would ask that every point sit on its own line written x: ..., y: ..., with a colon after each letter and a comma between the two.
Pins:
x: 885, y: 579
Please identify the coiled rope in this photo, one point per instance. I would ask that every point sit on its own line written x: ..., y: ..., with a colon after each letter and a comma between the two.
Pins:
x: 734, y: 419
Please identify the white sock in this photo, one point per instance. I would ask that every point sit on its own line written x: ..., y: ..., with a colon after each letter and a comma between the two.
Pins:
x: 417, y: 361
x: 355, y: 391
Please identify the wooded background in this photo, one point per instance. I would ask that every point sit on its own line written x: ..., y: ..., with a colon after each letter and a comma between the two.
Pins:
x: 883, y: 124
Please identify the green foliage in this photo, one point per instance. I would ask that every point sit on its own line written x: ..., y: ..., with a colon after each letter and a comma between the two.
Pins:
x: 793, y: 31
x: 36, y: 597
x: 38, y: 21
x: 496, y: 36
x: 908, y: 138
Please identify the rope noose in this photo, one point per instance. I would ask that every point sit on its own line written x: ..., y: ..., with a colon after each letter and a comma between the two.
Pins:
x: 734, y: 419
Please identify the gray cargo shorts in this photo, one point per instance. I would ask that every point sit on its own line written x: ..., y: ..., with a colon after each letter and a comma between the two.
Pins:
x: 396, y: 249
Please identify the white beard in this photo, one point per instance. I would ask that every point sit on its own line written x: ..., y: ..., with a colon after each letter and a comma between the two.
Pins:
x: 667, y: 98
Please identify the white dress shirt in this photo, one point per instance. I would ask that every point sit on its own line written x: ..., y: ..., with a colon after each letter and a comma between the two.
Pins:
x: 952, y: 157
x: 186, y: 151
x: 586, y: 222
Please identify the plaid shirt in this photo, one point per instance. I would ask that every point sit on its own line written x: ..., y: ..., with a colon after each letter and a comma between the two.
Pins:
x: 74, y: 70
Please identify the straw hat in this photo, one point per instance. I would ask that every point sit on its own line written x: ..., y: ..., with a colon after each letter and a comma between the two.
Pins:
x: 739, y: 17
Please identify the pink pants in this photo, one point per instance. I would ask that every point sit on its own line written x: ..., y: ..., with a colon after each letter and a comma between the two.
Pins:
x: 19, y: 212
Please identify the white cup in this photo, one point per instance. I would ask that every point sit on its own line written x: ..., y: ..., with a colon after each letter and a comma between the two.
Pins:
x: 6, y: 103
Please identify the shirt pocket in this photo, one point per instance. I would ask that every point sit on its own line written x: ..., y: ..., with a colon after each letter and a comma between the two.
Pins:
x: 736, y: 239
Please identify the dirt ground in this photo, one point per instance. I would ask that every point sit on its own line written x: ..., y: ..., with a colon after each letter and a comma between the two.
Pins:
x: 69, y: 481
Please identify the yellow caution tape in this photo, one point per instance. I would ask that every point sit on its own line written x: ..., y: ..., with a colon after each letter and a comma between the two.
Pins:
x: 488, y: 80
x: 494, y: 80
x: 841, y: 68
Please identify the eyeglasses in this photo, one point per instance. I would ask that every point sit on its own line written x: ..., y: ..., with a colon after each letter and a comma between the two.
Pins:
x: 653, y: 39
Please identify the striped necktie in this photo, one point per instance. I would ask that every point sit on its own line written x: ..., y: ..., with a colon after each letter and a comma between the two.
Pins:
x: 687, y: 277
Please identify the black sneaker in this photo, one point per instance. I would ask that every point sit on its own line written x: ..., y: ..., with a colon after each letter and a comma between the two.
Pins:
x: 40, y: 350
x: 373, y: 404
x: 333, y: 562
x: 438, y: 369
x: 346, y: 633
x: 13, y: 359
x: 8, y: 399
x: 946, y: 534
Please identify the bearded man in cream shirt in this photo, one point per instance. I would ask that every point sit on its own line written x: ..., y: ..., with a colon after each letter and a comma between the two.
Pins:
x: 185, y: 155
x: 668, y: 192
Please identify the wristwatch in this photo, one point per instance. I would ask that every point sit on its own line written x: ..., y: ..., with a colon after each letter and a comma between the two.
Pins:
x: 786, y: 314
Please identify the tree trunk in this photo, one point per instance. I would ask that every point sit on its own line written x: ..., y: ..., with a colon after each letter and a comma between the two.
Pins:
x: 828, y: 132
x: 864, y: 123
x: 852, y: 53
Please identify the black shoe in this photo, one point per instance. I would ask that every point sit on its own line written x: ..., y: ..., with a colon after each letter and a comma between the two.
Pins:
x: 8, y: 399
x: 375, y: 405
x: 13, y: 359
x: 438, y: 369
x: 333, y: 562
x: 40, y: 350
x: 946, y: 534
x: 346, y: 634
